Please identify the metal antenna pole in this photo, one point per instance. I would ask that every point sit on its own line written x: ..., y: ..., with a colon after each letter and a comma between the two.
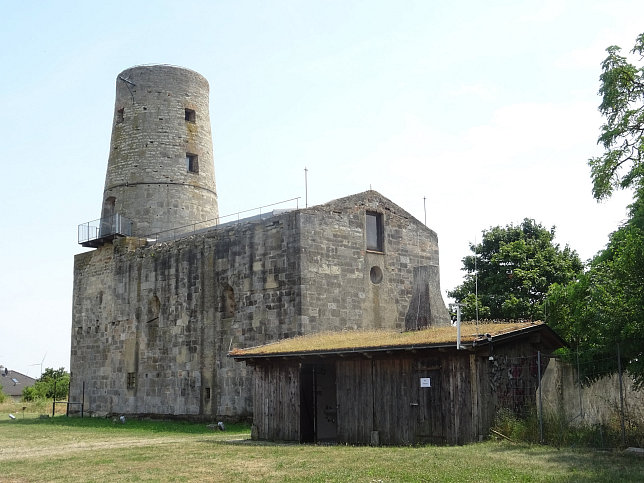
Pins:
x: 425, y: 208
x: 306, y: 188
x: 476, y: 289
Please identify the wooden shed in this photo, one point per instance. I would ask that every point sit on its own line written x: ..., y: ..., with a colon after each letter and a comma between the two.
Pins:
x: 394, y: 388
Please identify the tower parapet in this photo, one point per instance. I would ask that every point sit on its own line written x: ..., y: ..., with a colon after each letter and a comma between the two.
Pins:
x: 160, y: 171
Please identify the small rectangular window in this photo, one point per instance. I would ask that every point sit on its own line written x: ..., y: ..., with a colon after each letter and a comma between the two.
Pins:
x: 192, y: 163
x: 374, y: 232
x: 120, y: 115
x: 131, y: 380
x: 207, y: 393
x: 190, y: 115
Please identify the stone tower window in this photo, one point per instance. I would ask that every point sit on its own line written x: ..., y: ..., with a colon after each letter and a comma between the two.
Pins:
x: 190, y: 115
x: 375, y: 233
x: 192, y: 162
x: 120, y: 115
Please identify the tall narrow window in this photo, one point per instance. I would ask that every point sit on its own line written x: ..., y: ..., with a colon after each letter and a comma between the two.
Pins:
x: 192, y: 162
x: 131, y: 380
x: 120, y: 115
x: 374, y: 232
x: 190, y: 115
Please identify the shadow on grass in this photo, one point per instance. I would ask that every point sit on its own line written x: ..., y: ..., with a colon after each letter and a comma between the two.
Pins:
x: 243, y: 439
x: 598, y: 460
x: 130, y: 425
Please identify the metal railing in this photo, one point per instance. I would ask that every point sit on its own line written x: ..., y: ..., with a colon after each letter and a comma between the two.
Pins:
x: 104, y: 228
x: 94, y: 233
x: 233, y: 218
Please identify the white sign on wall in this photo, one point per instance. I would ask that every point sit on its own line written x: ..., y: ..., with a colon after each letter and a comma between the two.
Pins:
x: 425, y: 382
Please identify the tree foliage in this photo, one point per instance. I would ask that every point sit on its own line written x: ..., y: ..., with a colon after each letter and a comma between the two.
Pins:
x: 515, y: 266
x: 52, y: 383
x: 622, y: 91
x: 605, y: 306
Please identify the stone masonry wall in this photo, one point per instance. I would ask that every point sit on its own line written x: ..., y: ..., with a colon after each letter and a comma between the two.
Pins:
x: 152, y: 325
x: 169, y: 314
x: 147, y: 178
x: 338, y: 290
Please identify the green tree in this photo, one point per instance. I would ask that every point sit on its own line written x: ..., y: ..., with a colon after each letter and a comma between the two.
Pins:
x: 3, y: 396
x: 514, y: 267
x: 52, y: 383
x: 622, y: 91
x: 605, y: 306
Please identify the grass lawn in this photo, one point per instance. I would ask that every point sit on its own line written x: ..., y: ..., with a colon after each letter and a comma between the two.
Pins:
x: 62, y: 449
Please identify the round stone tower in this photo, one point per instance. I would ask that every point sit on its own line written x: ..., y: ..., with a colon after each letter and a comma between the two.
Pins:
x: 160, y: 171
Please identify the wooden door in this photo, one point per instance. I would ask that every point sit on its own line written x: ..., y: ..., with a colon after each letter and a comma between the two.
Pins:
x: 430, y: 420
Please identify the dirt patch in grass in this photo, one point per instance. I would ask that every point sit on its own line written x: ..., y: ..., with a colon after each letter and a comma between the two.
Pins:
x: 20, y: 452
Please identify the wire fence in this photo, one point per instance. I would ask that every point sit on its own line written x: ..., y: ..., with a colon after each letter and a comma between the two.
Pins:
x: 543, y: 398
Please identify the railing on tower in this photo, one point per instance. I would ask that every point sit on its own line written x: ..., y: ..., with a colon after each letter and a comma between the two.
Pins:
x: 97, y: 232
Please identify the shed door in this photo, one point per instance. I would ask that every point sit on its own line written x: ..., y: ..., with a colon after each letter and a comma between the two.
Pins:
x: 318, y: 406
x: 430, y: 412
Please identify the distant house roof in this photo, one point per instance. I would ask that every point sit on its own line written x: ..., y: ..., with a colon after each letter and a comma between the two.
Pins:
x: 13, y: 382
x: 344, y: 342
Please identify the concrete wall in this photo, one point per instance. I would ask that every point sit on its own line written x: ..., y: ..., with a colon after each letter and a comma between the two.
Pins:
x: 597, y: 403
x: 167, y: 314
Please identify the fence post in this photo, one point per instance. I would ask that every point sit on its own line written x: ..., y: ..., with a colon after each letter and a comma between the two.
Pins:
x: 540, y: 399
x: 621, y: 395
x: 581, y: 404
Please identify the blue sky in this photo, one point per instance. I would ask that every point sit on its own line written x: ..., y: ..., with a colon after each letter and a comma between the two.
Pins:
x: 487, y: 109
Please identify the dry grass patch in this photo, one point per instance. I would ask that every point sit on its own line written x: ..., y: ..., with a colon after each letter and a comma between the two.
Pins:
x: 372, y: 339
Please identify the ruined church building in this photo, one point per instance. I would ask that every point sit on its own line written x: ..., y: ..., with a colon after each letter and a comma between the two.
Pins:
x: 168, y: 289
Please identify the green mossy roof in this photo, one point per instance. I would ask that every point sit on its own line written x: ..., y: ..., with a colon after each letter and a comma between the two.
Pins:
x: 380, y: 339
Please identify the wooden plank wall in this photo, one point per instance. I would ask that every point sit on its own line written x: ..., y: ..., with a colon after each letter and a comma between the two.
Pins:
x: 384, y: 395
x: 394, y: 417
x: 458, y: 398
x: 276, y: 401
x: 355, y: 401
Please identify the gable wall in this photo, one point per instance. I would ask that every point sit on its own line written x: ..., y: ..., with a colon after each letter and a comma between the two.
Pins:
x: 338, y: 292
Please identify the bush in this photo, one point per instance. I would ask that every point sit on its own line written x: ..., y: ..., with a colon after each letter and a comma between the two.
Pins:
x: 3, y: 396
x: 53, y: 384
x: 558, y: 431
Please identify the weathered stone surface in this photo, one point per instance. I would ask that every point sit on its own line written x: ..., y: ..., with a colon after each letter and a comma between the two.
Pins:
x: 148, y: 180
x: 153, y: 321
x: 167, y: 314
